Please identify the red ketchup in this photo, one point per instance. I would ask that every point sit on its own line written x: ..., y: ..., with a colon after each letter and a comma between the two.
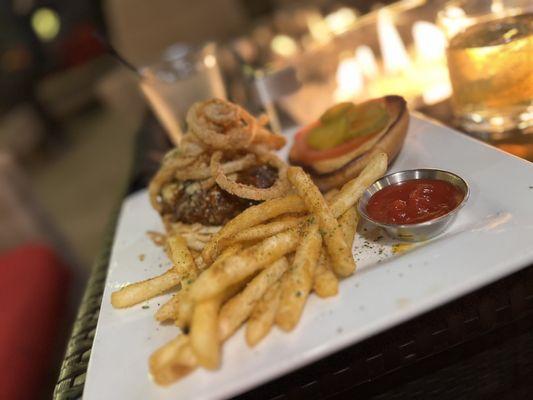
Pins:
x: 413, y: 201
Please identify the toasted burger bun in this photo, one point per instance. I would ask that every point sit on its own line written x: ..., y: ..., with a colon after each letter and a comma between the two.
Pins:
x: 336, y: 171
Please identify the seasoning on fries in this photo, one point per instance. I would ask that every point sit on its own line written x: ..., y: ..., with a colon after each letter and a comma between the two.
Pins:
x: 259, y: 268
x: 326, y: 283
x: 299, y: 280
x: 263, y: 315
x: 239, y: 308
x: 341, y: 256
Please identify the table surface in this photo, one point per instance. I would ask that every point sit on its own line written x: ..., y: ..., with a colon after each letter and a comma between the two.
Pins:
x: 515, y: 142
x: 479, y: 346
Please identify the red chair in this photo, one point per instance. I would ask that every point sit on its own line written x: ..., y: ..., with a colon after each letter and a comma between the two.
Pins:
x: 34, y: 286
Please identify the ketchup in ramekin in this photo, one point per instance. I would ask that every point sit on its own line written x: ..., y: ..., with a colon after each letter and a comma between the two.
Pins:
x: 413, y: 201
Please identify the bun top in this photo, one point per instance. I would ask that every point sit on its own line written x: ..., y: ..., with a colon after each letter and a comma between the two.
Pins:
x: 344, y: 132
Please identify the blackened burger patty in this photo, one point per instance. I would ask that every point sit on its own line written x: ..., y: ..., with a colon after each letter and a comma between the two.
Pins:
x: 188, y: 203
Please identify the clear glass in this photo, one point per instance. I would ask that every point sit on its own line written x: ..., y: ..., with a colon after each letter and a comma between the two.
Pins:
x: 490, y: 62
x: 184, y: 76
x: 274, y: 89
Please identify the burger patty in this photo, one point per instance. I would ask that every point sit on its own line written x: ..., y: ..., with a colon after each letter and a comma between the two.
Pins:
x: 186, y: 202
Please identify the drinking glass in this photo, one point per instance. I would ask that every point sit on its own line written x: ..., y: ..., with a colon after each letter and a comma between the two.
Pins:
x: 183, y: 76
x: 490, y: 61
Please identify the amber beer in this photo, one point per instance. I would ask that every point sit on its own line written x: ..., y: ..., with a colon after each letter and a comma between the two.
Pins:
x: 491, y: 70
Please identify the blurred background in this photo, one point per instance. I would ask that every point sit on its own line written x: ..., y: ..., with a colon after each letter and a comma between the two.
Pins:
x: 73, y: 118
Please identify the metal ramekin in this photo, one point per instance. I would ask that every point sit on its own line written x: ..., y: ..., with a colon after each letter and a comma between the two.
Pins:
x: 423, y: 230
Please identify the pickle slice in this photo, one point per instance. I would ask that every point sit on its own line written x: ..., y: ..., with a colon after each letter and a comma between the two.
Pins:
x: 336, y: 111
x: 329, y: 135
x: 366, y: 118
x: 346, y: 121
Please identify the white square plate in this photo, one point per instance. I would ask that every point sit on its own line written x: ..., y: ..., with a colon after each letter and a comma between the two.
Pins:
x: 492, y: 237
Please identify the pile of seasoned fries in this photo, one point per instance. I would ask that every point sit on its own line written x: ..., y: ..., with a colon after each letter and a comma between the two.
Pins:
x: 258, y: 269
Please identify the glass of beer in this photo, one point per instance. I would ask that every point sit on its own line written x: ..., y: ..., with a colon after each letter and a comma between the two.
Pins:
x: 490, y: 61
x: 183, y: 76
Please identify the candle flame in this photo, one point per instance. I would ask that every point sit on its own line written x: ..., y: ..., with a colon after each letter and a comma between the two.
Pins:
x: 430, y: 42
x: 350, y: 81
x: 284, y: 45
x: 341, y: 20
x: 453, y: 19
x: 393, y: 52
x: 419, y: 74
x: 318, y: 28
x: 497, y: 7
x: 366, y: 59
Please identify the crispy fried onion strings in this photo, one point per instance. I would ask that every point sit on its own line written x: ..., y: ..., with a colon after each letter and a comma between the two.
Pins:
x: 278, y: 189
x: 204, y: 172
x: 222, y: 125
x: 174, y: 160
x: 164, y: 175
x: 269, y: 139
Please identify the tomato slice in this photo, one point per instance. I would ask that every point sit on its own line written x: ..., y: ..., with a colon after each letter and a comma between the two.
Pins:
x: 301, y: 151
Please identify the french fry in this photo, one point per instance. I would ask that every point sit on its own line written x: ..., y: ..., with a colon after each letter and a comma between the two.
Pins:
x: 180, y: 306
x: 351, y: 191
x: 169, y: 310
x: 260, y: 267
x: 185, y: 308
x: 205, y: 339
x: 199, y: 261
x: 348, y: 223
x: 250, y: 217
x: 186, y: 305
x: 346, y: 198
x: 228, y: 252
x: 263, y: 231
x: 238, y: 309
x: 238, y: 267
x: 340, y: 255
x: 181, y: 257
x: 330, y: 195
x: 141, y: 291
x: 193, y: 242
x: 204, y: 333
x: 172, y: 361
x: 299, y: 281
x: 326, y: 283
x: 263, y: 315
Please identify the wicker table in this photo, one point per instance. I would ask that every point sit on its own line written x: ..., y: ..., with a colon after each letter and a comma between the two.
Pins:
x: 477, y: 347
